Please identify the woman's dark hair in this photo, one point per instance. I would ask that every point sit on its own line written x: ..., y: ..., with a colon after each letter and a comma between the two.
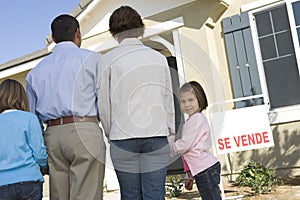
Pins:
x: 12, y: 96
x: 197, y: 89
x: 64, y: 27
x: 125, y: 22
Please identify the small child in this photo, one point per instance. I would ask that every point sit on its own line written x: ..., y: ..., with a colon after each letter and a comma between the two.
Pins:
x: 22, y: 152
x: 195, y: 145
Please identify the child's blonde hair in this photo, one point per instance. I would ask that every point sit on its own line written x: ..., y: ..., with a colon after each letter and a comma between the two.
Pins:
x: 12, y: 96
x: 197, y: 89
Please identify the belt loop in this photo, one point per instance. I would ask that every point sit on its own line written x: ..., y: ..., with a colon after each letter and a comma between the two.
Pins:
x: 61, y: 121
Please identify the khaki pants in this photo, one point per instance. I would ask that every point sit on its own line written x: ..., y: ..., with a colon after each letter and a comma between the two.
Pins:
x: 76, y: 161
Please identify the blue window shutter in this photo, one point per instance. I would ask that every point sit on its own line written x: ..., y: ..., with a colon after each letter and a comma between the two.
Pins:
x: 241, y: 59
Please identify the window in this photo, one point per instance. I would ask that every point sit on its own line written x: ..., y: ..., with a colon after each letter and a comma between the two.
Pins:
x: 275, y: 44
x: 278, y: 56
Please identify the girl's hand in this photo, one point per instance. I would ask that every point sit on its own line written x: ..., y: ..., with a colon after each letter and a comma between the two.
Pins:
x: 44, y: 171
x: 188, y: 175
x: 188, y: 184
x: 171, y: 138
x: 188, y: 180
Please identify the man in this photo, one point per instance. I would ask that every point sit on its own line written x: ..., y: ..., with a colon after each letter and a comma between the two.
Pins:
x: 62, y: 92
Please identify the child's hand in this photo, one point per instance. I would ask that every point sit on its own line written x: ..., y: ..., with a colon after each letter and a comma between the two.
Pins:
x: 44, y: 171
x: 188, y: 180
x: 171, y: 139
x: 188, y: 184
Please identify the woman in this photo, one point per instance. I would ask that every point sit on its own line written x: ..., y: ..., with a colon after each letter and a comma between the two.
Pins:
x: 137, y: 109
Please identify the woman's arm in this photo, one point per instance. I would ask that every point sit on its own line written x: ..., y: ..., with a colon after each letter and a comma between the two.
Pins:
x: 104, y: 104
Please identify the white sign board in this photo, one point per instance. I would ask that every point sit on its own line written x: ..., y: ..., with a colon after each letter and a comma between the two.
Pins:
x: 242, y: 129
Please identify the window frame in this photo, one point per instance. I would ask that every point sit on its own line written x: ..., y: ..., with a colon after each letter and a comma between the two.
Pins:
x: 295, y: 38
x: 287, y: 113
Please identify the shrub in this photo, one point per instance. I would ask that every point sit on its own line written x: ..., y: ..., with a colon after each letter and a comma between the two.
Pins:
x: 258, y: 178
x: 174, y: 185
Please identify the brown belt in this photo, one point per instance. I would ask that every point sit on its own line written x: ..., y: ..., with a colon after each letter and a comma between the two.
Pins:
x: 71, y: 119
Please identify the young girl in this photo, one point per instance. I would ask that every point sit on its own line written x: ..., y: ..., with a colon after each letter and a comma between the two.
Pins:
x: 22, y: 151
x: 195, y: 144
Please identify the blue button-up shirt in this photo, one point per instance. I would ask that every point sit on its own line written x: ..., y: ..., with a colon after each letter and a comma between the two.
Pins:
x: 64, y: 83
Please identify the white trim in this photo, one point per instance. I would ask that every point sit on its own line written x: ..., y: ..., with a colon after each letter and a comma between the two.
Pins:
x: 164, y: 42
x: 20, y: 68
x: 225, y: 2
x: 257, y: 4
x: 150, y: 31
x: 51, y: 46
x: 296, y: 40
x: 284, y: 114
x: 101, y: 27
x: 260, y: 67
x: 90, y: 7
x: 149, y: 8
x: 179, y: 60
x: 232, y: 101
x: 257, y: 51
x: 103, y: 46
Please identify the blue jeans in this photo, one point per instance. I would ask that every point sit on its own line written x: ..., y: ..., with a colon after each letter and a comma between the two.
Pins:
x: 208, y: 183
x: 141, y: 167
x: 32, y: 190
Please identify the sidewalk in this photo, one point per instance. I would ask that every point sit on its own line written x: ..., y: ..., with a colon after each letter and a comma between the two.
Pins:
x: 290, y: 191
x: 114, y: 195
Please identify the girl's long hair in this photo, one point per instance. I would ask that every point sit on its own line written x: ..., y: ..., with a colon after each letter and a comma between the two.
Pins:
x: 12, y: 96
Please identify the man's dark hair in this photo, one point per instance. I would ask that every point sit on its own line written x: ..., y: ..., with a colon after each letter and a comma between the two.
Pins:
x: 125, y: 22
x: 63, y: 28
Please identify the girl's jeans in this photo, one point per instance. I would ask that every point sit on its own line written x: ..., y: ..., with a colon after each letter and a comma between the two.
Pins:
x: 208, y: 183
x: 141, y: 167
x: 32, y: 190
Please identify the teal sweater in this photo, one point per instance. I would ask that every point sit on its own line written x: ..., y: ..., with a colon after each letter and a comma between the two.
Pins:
x: 22, y: 149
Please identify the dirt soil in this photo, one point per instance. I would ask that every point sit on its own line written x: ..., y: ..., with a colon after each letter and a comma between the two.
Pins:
x: 288, y: 190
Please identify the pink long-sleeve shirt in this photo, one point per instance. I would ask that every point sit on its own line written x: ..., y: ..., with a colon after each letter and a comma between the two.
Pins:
x: 195, y: 144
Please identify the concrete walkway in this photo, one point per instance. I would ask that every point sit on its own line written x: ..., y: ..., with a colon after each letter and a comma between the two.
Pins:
x: 283, y: 192
x: 113, y: 195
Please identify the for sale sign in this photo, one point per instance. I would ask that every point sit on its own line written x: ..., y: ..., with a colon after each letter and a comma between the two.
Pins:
x: 242, y: 129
